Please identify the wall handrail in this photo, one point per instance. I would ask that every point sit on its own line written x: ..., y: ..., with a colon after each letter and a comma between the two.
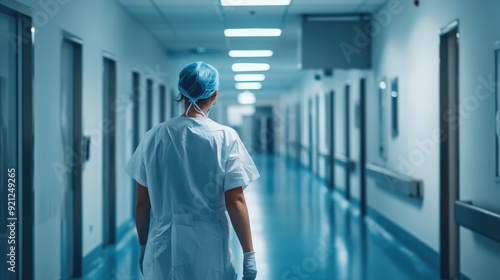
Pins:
x: 477, y: 219
x: 304, y: 147
x: 396, y: 182
x: 324, y: 153
x: 345, y: 162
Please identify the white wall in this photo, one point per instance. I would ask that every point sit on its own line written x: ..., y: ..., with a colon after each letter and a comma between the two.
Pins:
x: 103, y: 26
x: 307, y: 88
x: 409, y: 48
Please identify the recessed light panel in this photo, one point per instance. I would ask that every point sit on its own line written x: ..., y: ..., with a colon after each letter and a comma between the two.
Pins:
x: 246, y: 98
x: 250, y: 53
x: 255, y: 2
x: 242, y: 67
x: 243, y: 86
x: 253, y: 32
x: 249, y: 77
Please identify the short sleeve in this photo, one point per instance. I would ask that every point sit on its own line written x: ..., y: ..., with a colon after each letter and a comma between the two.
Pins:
x: 240, y: 170
x: 136, y: 167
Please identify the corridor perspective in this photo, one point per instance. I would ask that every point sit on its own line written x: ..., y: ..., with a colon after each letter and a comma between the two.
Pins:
x: 374, y: 126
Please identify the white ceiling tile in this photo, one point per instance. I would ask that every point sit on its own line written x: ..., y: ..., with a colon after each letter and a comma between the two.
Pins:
x: 184, y: 25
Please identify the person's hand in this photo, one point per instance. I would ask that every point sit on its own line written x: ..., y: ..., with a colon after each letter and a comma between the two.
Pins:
x: 141, y: 257
x: 249, y: 266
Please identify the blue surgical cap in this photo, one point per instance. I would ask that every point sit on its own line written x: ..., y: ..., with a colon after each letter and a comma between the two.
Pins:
x: 198, y: 80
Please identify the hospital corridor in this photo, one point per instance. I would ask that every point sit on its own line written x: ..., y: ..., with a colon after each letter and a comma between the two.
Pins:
x: 249, y: 139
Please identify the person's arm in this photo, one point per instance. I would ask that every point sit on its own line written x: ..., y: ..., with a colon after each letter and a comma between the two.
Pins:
x: 237, y: 208
x: 142, y: 213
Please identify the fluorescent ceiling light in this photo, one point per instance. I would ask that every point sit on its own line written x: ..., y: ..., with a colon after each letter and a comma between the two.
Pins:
x: 246, y: 98
x: 242, y: 86
x: 253, y: 32
x: 253, y: 53
x: 240, y: 67
x: 333, y: 18
x: 249, y: 77
x: 255, y: 2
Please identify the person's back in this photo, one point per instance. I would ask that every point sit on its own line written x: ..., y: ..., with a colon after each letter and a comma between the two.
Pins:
x: 190, y: 170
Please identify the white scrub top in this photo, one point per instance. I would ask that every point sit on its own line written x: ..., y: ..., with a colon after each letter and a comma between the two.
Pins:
x: 187, y: 164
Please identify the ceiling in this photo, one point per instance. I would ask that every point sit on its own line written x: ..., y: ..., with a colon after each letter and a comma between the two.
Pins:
x: 183, y: 26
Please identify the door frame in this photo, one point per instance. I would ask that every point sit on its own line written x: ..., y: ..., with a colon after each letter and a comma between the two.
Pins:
x: 136, y: 123
x: 109, y: 151
x: 78, y: 143
x: 449, y: 151
x: 149, y: 103
x: 298, y: 133
x: 162, y: 89
x: 347, y: 132
x: 317, y: 142
x: 286, y: 141
x: 27, y: 153
x: 331, y: 142
x: 310, y: 132
x: 362, y: 142
x: 25, y: 131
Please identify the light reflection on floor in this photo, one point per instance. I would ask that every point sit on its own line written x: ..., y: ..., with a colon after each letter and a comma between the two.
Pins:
x: 301, y: 230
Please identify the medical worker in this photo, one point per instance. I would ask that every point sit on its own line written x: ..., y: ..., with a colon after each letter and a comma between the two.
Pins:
x: 190, y: 173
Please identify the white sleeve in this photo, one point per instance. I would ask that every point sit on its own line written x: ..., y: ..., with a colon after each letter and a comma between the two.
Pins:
x: 136, y: 167
x: 240, y: 170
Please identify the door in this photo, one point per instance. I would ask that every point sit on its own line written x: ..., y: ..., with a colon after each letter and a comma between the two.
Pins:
x: 347, y: 137
x: 136, y: 97
x: 109, y: 152
x: 9, y: 161
x: 149, y: 104
x: 449, y: 150
x: 269, y: 136
x: 71, y: 126
x: 298, y: 135
x: 310, y: 132
x: 317, y: 150
x: 163, y: 103
x: 262, y: 126
x: 362, y: 148
x: 286, y: 141
x: 330, y: 132
x: 16, y: 146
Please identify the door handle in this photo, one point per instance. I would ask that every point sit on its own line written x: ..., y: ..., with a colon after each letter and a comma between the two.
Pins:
x: 85, y: 148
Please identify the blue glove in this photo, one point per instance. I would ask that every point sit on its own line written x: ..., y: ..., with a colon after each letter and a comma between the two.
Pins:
x: 141, y: 257
x: 249, y: 266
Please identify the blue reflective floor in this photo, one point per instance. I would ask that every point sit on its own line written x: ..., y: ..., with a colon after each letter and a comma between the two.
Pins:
x: 301, y: 230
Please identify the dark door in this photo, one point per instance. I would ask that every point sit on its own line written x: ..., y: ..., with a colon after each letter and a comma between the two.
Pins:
x: 163, y: 104
x: 109, y: 152
x: 71, y: 115
x: 317, y: 150
x: 136, y: 97
x: 298, y: 135
x: 310, y: 131
x: 347, y: 137
x: 16, y: 146
x: 149, y: 104
x: 362, y: 142
x: 449, y: 150
x: 330, y: 129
